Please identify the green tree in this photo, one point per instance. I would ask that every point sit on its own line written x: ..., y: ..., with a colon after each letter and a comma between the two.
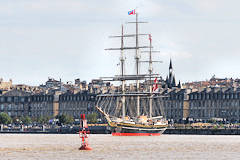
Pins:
x: 65, y: 119
x: 16, y: 120
x: 70, y: 120
x: 5, y: 118
x: 46, y: 119
x: 26, y: 120
x: 41, y: 120
x: 92, y: 118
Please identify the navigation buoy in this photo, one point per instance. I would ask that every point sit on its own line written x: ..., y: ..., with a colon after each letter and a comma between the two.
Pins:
x: 83, y: 133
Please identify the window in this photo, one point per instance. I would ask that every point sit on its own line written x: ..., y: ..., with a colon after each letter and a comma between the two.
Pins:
x: 9, y: 99
x: 207, y: 96
x: 227, y: 96
x: 22, y: 99
x: 215, y: 96
x: 9, y: 106
x: 15, y: 99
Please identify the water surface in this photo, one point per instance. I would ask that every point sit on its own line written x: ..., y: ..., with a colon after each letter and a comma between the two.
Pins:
x: 56, y: 147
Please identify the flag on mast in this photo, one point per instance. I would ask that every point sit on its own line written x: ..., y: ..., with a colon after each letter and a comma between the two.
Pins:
x: 155, y: 86
x: 150, y: 37
x: 132, y: 12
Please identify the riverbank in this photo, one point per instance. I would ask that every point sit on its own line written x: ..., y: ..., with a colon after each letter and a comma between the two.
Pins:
x: 201, y: 131
x: 103, y: 130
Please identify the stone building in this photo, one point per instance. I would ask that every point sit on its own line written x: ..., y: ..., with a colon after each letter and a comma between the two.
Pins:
x: 76, y: 104
x: 197, y: 104
x: 175, y: 104
x: 5, y: 85
x: 215, y: 103
x: 15, y: 103
x: 44, y: 105
x: 214, y: 83
x: 52, y: 83
x: 19, y: 103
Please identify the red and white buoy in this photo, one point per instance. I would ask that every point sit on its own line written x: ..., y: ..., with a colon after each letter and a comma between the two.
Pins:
x: 83, y: 133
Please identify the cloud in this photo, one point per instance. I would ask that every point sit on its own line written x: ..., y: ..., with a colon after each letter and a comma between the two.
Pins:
x: 67, y: 38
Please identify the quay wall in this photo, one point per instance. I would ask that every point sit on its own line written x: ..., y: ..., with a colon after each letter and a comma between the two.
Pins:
x: 105, y: 130
x: 197, y: 131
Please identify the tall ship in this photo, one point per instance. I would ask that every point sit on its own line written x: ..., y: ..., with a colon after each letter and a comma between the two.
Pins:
x: 133, y: 109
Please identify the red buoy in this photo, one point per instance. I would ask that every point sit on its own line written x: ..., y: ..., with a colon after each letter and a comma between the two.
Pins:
x: 83, y: 133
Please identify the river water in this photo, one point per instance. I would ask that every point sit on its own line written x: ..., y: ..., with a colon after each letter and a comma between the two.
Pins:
x: 58, y: 147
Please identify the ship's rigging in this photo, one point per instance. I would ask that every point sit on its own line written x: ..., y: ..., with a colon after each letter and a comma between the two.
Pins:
x: 117, y: 104
x: 133, y: 110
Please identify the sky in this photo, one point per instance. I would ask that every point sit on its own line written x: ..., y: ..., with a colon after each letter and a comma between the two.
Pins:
x: 66, y: 38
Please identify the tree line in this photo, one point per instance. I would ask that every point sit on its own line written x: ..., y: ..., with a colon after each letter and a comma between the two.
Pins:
x: 26, y: 120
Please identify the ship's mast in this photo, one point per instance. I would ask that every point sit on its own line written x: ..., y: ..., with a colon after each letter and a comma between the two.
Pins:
x: 137, y: 57
x: 150, y: 76
x: 122, y: 73
x: 150, y: 72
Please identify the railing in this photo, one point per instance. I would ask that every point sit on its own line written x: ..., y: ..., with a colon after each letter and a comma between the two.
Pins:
x: 203, y: 126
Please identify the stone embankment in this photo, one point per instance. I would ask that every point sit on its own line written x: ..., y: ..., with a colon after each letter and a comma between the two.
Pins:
x: 200, y: 131
x: 103, y: 129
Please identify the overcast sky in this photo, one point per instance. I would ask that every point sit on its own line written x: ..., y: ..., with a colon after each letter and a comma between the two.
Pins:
x: 66, y: 38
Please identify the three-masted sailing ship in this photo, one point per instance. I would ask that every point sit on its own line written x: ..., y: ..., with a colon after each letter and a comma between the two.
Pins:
x: 129, y: 111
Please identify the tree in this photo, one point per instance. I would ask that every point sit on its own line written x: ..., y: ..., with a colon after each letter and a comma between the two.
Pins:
x: 65, y: 119
x: 92, y: 118
x: 40, y: 120
x: 70, y: 119
x: 26, y: 120
x: 5, y: 118
x: 16, y: 120
x: 46, y: 119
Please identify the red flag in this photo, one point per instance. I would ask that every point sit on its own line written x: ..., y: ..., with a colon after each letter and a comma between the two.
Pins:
x: 155, y: 86
x: 150, y: 37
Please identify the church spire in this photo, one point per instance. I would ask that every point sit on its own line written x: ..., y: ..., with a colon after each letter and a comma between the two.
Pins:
x: 170, y: 65
x: 173, y: 82
x: 170, y: 79
x: 179, y: 84
x: 167, y: 80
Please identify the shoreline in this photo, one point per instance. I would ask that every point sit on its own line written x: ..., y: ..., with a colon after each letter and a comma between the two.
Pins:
x: 170, y: 131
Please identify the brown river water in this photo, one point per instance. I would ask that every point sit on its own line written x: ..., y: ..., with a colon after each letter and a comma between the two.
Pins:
x: 65, y: 147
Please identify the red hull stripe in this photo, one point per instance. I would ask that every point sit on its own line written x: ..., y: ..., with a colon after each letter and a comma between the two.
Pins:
x: 136, y: 134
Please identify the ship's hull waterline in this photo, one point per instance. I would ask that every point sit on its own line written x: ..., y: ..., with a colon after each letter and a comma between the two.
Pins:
x: 133, y: 131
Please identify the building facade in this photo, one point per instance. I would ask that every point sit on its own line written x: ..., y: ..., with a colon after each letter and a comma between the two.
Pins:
x: 5, y: 85
x: 215, y: 103
x: 15, y: 103
x: 76, y: 104
x: 43, y: 105
x: 175, y: 104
